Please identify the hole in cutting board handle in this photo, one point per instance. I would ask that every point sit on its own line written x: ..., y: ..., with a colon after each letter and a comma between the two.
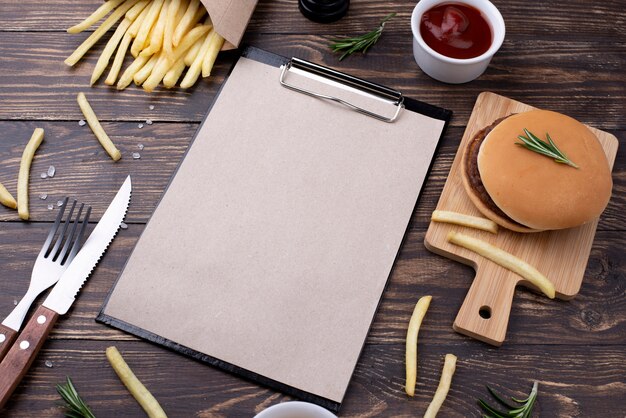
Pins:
x: 485, y: 312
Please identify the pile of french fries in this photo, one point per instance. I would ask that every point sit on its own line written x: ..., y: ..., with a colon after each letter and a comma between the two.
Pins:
x: 164, y: 37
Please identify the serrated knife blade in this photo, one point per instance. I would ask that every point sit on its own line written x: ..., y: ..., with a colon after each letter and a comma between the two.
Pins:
x: 22, y: 353
x: 64, y: 292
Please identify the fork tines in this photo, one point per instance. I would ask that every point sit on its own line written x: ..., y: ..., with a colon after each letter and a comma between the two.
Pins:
x: 72, y: 239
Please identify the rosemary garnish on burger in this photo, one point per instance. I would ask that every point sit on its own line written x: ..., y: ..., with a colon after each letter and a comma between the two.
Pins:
x: 549, y: 149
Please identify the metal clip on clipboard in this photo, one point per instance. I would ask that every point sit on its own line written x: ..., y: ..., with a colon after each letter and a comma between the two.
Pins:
x: 386, y: 94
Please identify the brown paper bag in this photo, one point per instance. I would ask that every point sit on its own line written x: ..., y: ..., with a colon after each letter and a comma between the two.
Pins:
x: 230, y: 19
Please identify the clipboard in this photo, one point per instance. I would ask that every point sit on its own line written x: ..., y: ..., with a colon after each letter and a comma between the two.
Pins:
x: 270, y: 249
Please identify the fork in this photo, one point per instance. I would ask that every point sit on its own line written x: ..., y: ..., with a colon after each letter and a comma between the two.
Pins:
x: 50, y: 264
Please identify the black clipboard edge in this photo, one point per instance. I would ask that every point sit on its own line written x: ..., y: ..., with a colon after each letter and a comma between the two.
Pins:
x: 274, y: 60
x: 223, y: 365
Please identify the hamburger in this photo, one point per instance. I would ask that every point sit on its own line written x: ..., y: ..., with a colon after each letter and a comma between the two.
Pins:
x: 525, y: 191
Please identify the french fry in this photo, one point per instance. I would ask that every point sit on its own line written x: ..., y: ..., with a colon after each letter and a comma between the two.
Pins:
x: 192, y: 53
x: 143, y: 396
x: 7, y: 198
x: 136, y: 10
x: 24, y: 173
x: 209, y: 58
x: 195, y: 20
x: 173, y: 74
x: 411, y: 342
x: 98, y: 33
x: 449, y: 366
x: 170, y: 23
x: 119, y: 34
x: 100, y: 12
x: 469, y: 221
x: 97, y: 129
x: 182, y: 8
x: 196, y: 67
x: 103, y: 61
x: 163, y: 65
x: 141, y: 75
x: 156, y: 36
x: 504, y: 259
x: 134, y: 28
x: 146, y: 27
x: 118, y: 60
x: 186, y: 22
x: 129, y: 73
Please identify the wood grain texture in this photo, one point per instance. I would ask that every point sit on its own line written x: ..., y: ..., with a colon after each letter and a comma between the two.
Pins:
x: 566, y: 56
x: 37, y: 81
x: 596, y: 316
x: 552, y: 19
x: 85, y: 171
x: 184, y: 388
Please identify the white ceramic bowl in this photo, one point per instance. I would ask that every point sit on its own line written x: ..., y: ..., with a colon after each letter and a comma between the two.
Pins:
x: 295, y: 410
x: 454, y: 70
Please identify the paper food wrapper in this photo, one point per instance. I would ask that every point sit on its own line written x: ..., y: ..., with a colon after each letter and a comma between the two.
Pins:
x: 230, y: 19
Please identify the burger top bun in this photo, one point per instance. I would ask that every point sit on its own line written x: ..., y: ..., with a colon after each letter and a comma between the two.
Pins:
x: 533, y: 189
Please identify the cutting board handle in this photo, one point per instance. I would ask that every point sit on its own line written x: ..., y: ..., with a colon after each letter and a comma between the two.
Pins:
x: 485, y: 312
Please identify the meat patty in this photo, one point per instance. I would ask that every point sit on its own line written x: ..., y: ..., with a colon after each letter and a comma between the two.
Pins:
x: 473, y: 175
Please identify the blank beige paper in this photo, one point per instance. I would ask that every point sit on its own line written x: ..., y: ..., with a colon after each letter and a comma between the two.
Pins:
x: 272, y: 245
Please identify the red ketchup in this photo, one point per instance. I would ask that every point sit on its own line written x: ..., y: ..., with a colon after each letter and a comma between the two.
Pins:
x: 456, y: 30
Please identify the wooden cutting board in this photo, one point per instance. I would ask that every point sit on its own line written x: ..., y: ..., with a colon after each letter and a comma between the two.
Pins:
x: 560, y: 255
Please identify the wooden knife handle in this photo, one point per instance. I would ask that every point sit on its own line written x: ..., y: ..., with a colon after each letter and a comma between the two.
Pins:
x: 7, y: 336
x: 23, y: 352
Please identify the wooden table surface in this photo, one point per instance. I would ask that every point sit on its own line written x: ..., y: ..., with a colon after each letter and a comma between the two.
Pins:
x: 567, y: 56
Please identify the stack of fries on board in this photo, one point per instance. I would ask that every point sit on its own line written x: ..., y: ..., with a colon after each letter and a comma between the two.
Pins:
x: 164, y: 37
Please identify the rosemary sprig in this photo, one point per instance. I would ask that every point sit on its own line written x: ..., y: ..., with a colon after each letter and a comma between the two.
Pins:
x: 75, y: 407
x: 524, y: 408
x: 533, y: 143
x: 359, y: 43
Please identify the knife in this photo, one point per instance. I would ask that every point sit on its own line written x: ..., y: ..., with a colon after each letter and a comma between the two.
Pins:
x: 25, y: 349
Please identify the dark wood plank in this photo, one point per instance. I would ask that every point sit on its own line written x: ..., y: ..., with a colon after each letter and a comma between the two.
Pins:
x: 85, y: 171
x: 552, y: 19
x: 596, y: 316
x: 579, y: 78
x: 186, y: 388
